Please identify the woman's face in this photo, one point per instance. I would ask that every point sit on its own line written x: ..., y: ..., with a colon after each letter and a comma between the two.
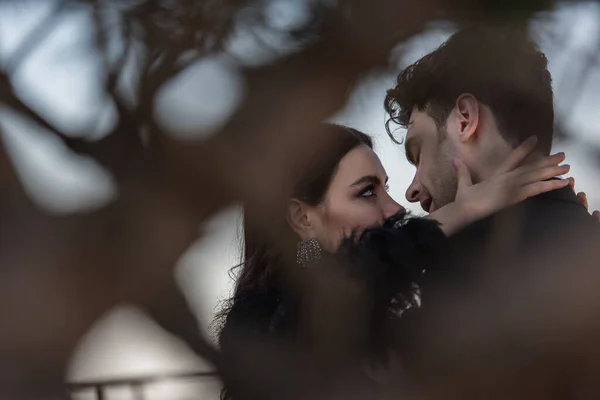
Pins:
x: 356, y: 199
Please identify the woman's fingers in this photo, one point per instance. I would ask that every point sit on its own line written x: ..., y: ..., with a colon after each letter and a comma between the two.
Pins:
x: 528, y: 176
x: 582, y: 197
x: 596, y: 214
x: 550, y: 161
x: 554, y: 159
x: 463, y: 174
x: 517, y: 155
x: 534, y: 189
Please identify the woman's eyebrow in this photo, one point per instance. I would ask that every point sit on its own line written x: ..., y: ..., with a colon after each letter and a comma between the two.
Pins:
x: 367, y: 179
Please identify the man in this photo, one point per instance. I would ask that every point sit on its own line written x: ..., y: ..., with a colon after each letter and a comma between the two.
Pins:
x: 476, y: 98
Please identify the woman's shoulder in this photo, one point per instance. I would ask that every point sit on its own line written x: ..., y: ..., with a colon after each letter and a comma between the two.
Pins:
x: 258, y: 312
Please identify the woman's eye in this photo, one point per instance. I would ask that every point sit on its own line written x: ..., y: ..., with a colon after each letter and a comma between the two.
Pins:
x: 368, y: 192
x: 387, y: 187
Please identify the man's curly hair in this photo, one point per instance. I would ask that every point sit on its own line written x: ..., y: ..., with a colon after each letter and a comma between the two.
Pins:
x: 500, y: 66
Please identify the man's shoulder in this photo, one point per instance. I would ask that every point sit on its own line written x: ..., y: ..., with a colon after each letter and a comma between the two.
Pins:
x: 552, y: 213
x: 539, y: 225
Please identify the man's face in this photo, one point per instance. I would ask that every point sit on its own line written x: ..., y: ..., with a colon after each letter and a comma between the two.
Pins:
x: 431, y: 151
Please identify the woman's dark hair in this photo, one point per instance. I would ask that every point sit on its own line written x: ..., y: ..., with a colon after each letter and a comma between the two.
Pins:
x: 261, y: 303
x: 311, y: 180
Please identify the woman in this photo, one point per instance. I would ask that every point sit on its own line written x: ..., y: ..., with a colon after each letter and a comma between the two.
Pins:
x: 336, y: 197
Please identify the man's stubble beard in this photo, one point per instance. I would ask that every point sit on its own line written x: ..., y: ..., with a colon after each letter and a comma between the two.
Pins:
x: 445, y: 178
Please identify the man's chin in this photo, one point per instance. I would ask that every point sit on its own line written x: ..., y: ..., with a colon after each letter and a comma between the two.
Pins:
x: 432, y: 208
x: 436, y: 205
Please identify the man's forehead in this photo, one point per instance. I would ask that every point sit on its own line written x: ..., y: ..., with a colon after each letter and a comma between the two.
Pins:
x: 411, y: 130
x: 412, y: 119
x: 410, y: 136
x: 416, y: 115
x: 419, y: 121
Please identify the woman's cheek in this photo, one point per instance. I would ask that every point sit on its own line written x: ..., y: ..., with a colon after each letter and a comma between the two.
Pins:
x: 369, y: 219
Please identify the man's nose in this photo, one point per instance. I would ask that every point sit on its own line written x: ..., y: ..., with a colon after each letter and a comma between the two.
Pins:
x: 414, y: 191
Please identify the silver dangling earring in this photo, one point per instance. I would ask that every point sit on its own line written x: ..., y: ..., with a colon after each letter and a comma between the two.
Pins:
x: 309, y: 252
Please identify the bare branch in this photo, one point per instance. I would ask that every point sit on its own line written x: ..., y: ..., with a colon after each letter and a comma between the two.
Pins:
x: 13, y: 193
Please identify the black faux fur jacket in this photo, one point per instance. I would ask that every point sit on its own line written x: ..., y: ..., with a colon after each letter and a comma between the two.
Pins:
x: 392, y: 261
x: 388, y: 262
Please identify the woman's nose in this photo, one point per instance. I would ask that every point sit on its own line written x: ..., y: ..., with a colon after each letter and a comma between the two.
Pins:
x: 392, y: 208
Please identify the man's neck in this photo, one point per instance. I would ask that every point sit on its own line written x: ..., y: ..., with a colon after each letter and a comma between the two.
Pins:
x: 492, y: 162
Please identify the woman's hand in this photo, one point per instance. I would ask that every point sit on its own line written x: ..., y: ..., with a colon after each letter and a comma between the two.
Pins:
x: 511, y: 184
x: 582, y: 197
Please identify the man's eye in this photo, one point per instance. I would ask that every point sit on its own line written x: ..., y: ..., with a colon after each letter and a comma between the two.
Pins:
x: 417, y: 158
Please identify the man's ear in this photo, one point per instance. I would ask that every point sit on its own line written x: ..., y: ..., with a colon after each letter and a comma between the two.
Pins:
x: 298, y: 217
x: 467, y: 109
